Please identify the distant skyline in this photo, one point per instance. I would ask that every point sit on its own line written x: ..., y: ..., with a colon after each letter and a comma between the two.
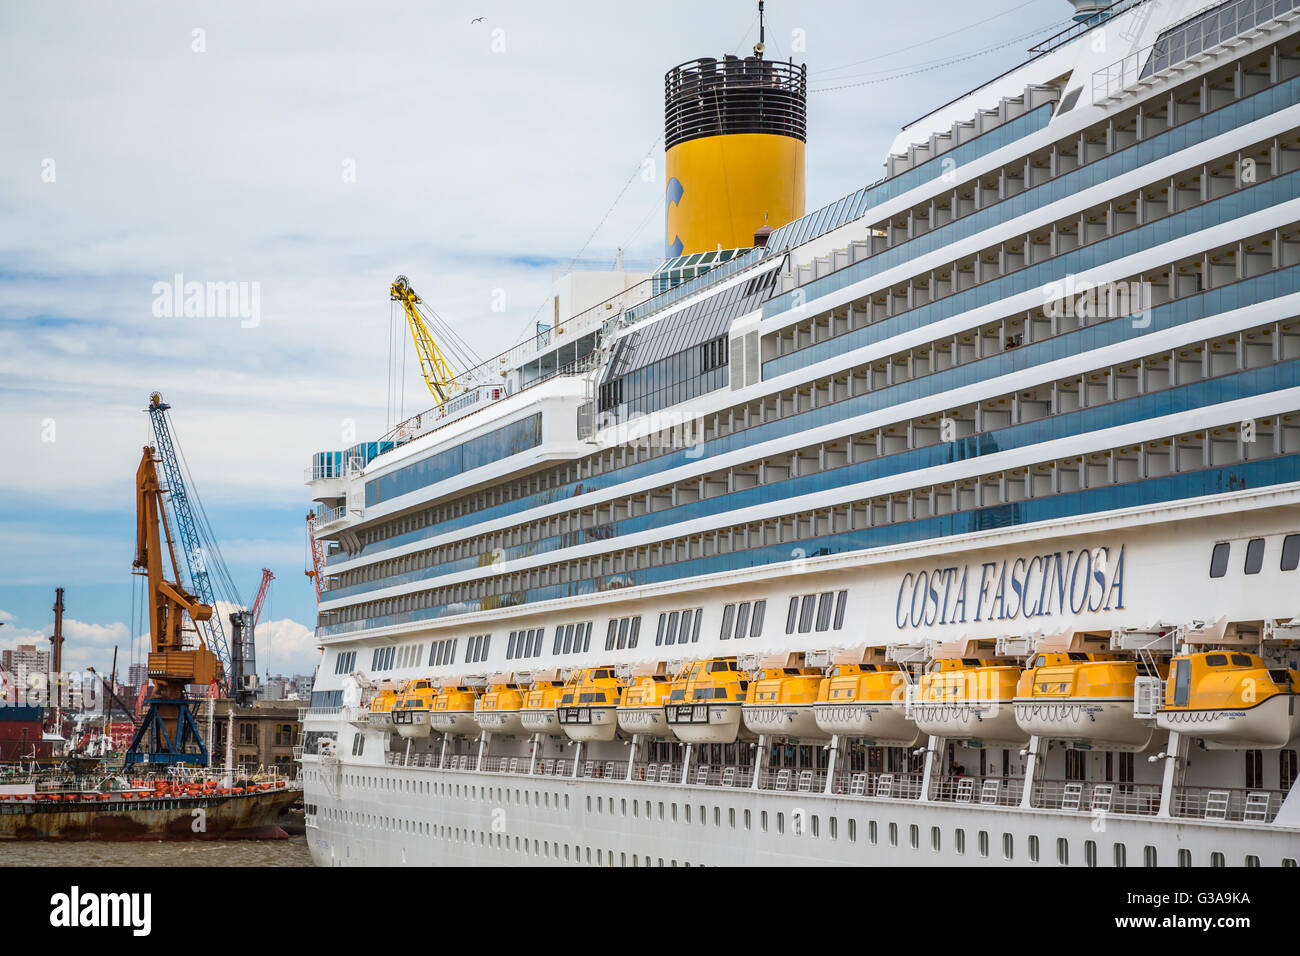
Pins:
x: 306, y: 154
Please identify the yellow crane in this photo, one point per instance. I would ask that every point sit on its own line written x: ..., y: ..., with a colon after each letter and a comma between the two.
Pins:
x: 435, y: 368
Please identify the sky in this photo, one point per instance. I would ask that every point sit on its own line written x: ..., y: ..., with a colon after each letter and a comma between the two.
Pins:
x: 308, y: 153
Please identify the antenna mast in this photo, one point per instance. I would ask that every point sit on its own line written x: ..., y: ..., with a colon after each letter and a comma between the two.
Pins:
x: 761, y: 45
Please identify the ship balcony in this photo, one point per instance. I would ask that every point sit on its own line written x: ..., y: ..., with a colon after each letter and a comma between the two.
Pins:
x: 330, y: 519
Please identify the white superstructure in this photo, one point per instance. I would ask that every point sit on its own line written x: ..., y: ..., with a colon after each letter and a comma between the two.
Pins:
x: 1035, y: 391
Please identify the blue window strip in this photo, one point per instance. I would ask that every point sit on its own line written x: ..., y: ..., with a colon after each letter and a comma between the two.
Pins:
x: 500, y: 443
x: 1236, y: 295
x: 1227, y: 388
x: 1213, y: 212
x: 855, y: 205
x: 1133, y: 157
x: 1188, y: 485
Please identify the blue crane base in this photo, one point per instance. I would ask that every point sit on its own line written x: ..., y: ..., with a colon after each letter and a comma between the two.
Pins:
x: 168, y: 735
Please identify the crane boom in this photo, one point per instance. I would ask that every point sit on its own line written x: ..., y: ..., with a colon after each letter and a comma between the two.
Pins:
x: 188, y: 529
x: 433, y: 366
x: 317, y: 572
x: 262, y: 588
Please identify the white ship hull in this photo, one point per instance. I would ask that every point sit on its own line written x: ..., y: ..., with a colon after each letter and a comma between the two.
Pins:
x: 1102, y: 722
x: 991, y: 724
x: 507, y: 722
x: 879, y: 723
x: 1269, y: 726
x: 784, y: 720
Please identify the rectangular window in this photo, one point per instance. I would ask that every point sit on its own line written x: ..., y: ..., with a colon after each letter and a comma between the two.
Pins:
x: 806, y: 613
x: 1219, y: 559
x: 568, y: 639
x: 1254, y: 555
x: 610, y: 634
x: 1290, y: 552
x: 742, y: 619
x: 824, y: 605
x: 635, y: 632
x: 727, y: 613
x: 840, y: 600
x: 792, y: 615
x: 756, y: 625
x: 659, y: 635
x: 622, y: 633
x: 559, y: 639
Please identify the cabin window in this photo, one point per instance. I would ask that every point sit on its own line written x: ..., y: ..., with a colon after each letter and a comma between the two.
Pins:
x: 959, y: 841
x: 586, y: 637
x: 1148, y: 855
x: 742, y: 619
x: 1219, y: 559
x: 1241, y: 660
x: 840, y: 601
x: 559, y: 639
x: 1252, y: 860
x: 632, y: 635
x: 806, y: 613
x: 792, y: 615
x: 659, y: 635
x: 1033, y: 849
x: 893, y: 834
x: 1216, y: 859
x: 622, y: 633
x: 699, y: 619
x: 1089, y: 852
x: 613, y: 630
x: 1288, y: 862
x: 983, y: 840
x: 1254, y: 555
x: 1290, y: 552
x: 672, y: 628
x: 1216, y: 660
x: 1063, y: 851
x: 727, y: 613
x: 756, y: 623
x: 824, y: 607
x: 935, y: 841
x: 853, y: 830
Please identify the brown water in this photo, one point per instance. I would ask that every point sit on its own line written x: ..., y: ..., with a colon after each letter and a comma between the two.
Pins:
x: 290, y: 852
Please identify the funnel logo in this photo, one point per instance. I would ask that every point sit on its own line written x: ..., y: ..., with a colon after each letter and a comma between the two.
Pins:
x: 675, y: 193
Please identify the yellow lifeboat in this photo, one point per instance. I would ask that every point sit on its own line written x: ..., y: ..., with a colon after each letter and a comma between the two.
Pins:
x: 453, y: 710
x: 538, y: 712
x: 970, y: 698
x: 780, y: 703
x: 867, y: 697
x: 705, y: 702
x: 641, y: 708
x: 410, y: 709
x: 1076, y: 695
x: 381, y: 706
x: 498, y: 710
x: 588, y: 708
x: 1231, y: 700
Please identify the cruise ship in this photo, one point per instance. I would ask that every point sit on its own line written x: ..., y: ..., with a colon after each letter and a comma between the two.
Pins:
x: 956, y: 522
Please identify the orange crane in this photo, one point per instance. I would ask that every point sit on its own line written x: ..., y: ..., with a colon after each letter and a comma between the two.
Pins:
x: 178, y: 655
x: 316, y: 572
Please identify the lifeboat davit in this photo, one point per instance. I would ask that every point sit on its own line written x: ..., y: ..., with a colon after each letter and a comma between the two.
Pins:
x: 498, y: 710
x: 1081, y: 696
x: 641, y: 710
x: 781, y: 702
x: 705, y: 702
x: 410, y: 710
x: 453, y: 711
x: 868, y: 701
x: 538, y: 712
x: 588, y: 708
x: 970, y: 699
x: 1231, y: 700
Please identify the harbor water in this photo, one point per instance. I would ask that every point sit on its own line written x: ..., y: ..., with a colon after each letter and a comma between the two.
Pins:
x: 290, y: 852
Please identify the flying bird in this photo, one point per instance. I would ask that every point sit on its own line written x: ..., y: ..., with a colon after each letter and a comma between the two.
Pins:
x: 478, y: 20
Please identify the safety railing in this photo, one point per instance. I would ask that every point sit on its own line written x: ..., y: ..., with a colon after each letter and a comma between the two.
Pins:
x: 1142, y: 799
x: 1237, y: 804
x: 988, y: 791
